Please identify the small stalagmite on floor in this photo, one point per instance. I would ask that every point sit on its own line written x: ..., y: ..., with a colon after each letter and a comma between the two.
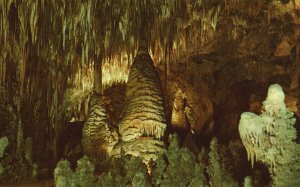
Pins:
x: 98, y: 138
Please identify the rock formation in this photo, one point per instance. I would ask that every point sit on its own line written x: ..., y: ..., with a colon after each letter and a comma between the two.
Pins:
x: 64, y: 176
x: 3, y: 144
x: 143, y: 112
x: 98, y: 138
x: 178, y: 119
x: 143, y: 121
x: 270, y: 138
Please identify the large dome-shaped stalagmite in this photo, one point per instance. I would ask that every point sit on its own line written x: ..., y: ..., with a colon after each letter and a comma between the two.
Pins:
x: 144, y: 113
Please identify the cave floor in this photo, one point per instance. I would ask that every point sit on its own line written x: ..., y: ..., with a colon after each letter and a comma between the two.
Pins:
x: 42, y: 183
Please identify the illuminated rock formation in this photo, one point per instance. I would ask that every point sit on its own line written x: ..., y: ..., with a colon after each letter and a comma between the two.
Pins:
x: 179, y: 167
x: 218, y: 174
x: 178, y: 119
x: 143, y: 114
x: 98, y: 137
x: 146, y: 149
x: 3, y: 145
x: 64, y: 176
x: 270, y: 138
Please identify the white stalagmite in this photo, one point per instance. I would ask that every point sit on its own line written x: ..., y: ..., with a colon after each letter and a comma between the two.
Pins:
x: 270, y: 138
x: 251, y: 128
x: 274, y: 104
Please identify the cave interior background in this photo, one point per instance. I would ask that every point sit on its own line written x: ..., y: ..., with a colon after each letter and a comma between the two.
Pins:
x: 219, y: 57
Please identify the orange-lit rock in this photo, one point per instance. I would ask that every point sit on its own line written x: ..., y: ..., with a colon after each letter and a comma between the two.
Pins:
x: 255, y: 104
x: 291, y: 102
x: 178, y: 119
x: 283, y: 49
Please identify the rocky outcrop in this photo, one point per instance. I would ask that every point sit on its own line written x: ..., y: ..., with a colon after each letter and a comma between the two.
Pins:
x: 145, y: 148
x: 186, y: 106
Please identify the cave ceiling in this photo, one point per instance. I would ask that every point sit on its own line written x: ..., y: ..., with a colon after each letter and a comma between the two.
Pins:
x: 90, y: 29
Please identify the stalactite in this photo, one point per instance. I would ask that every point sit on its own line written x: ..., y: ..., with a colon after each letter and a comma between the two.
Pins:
x: 3, y: 69
x: 5, y: 20
x: 165, y: 65
x: 98, y: 76
x: 33, y: 21
x: 20, y: 138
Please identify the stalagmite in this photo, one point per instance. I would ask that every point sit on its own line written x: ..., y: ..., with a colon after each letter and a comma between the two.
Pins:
x: 270, y: 138
x: 98, y: 138
x: 144, y: 110
x: 63, y: 174
x: 274, y: 103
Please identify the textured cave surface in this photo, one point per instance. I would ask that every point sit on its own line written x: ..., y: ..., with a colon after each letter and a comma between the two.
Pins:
x: 82, y: 103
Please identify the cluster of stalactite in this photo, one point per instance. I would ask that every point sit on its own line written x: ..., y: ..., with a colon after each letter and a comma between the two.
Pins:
x: 77, y: 32
x: 46, y: 44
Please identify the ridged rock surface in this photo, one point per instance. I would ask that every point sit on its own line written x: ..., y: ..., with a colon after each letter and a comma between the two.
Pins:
x: 98, y: 138
x: 146, y: 148
x: 143, y: 114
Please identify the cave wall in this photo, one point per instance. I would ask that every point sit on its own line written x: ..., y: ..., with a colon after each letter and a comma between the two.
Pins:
x: 256, y: 44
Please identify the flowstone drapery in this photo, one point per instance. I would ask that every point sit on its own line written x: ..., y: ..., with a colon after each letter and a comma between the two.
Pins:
x: 270, y: 138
